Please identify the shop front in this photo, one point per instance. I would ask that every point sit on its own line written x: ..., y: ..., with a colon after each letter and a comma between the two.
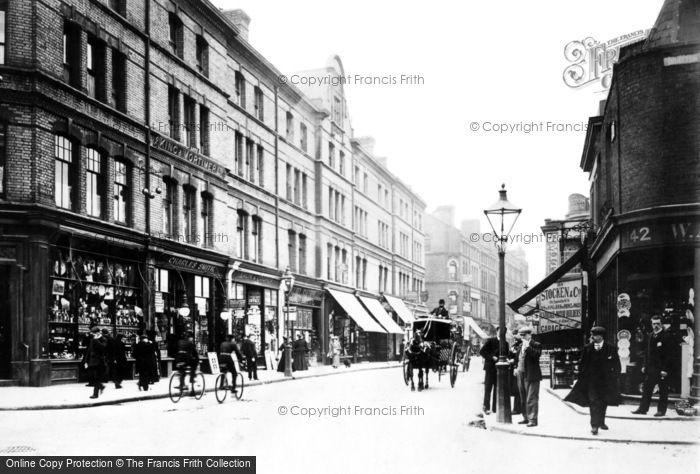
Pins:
x: 188, y: 295
x: 356, y: 330
x: 254, y: 305
x: 308, y: 322
x: 388, y: 345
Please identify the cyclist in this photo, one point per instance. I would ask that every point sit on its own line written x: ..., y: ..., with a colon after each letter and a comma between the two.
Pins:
x: 226, y: 351
x: 187, y: 356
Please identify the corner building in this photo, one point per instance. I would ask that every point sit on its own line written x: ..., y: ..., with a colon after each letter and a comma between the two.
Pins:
x: 156, y: 177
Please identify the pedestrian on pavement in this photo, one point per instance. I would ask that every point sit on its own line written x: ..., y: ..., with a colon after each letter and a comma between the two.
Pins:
x: 120, y: 363
x: 528, y: 375
x: 597, y: 384
x: 146, y: 363
x: 490, y: 351
x: 514, y: 359
x: 110, y: 373
x: 227, y: 350
x: 440, y: 311
x: 334, y: 351
x: 300, y: 349
x: 282, y: 355
x: 95, y: 361
x: 152, y: 334
x: 250, y: 354
x: 657, y: 362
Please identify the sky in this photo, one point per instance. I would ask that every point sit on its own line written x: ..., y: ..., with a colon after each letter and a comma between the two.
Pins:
x: 479, y: 65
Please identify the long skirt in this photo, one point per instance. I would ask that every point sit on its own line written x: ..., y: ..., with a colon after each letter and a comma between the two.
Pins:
x: 336, y: 360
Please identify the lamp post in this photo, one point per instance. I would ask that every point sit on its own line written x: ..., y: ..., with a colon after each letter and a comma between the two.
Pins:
x: 288, y: 279
x: 507, y: 213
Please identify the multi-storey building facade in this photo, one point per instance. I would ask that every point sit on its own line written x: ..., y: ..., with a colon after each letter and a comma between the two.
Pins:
x: 463, y: 269
x: 157, y: 176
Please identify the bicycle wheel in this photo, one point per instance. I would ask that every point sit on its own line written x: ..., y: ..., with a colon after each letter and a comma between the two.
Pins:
x: 198, y: 385
x: 239, y: 386
x: 174, y: 388
x: 222, y: 387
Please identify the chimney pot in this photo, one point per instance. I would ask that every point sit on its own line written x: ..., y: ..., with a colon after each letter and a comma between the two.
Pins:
x: 240, y: 19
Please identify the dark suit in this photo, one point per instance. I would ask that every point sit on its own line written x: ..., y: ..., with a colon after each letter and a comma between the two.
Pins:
x: 146, y: 362
x: 440, y: 312
x: 96, y: 360
x: 488, y: 351
x: 251, y: 358
x: 515, y: 391
x: 529, y: 374
x: 657, y: 358
x: 597, y: 384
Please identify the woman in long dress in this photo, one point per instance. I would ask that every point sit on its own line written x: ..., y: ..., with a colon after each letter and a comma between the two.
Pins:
x: 282, y: 355
x: 301, y: 349
x: 334, y: 351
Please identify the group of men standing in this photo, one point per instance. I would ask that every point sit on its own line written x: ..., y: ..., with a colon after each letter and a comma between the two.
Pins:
x: 597, y: 386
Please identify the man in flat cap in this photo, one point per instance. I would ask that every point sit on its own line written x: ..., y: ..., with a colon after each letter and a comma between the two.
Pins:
x: 597, y: 384
x: 528, y: 376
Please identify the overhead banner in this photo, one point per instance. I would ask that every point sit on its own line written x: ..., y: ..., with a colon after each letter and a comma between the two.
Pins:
x: 561, y: 306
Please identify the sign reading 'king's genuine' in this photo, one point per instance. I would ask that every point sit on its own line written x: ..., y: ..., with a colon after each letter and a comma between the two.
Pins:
x: 191, y: 156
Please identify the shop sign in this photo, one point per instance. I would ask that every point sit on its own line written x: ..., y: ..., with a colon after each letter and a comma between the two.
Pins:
x: 158, y: 299
x: 661, y: 233
x: 236, y: 304
x: 213, y: 363
x: 553, y: 253
x: 194, y: 265
x: 562, y: 305
x: 258, y: 280
x: 254, y: 297
x: 169, y: 146
x: 306, y: 297
x: 291, y: 314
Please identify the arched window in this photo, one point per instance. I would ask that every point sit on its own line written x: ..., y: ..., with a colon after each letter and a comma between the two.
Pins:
x: 64, y: 174
x: 94, y: 186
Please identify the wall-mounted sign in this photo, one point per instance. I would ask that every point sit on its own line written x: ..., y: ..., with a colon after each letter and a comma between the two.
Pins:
x: 679, y: 231
x: 562, y: 305
x: 195, y: 266
x: 306, y: 296
x: 172, y: 147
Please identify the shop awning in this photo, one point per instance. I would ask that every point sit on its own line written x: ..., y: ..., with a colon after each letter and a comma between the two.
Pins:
x: 550, y: 279
x: 400, y: 308
x: 354, y: 309
x: 380, y: 314
x: 475, y: 327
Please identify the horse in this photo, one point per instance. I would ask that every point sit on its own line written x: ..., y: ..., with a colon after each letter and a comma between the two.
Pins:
x: 420, y: 356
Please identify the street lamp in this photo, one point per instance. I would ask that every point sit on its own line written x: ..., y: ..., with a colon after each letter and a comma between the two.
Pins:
x: 507, y: 213
x: 288, y: 280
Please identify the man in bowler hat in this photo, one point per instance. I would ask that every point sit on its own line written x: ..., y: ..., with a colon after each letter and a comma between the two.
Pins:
x: 529, y: 375
x: 657, y: 362
x: 597, y: 384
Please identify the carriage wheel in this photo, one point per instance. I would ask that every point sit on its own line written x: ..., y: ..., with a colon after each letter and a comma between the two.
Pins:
x: 405, y: 370
x: 453, y: 365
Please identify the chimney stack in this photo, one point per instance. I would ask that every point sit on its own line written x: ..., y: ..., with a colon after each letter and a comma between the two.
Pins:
x: 240, y: 19
x: 367, y: 143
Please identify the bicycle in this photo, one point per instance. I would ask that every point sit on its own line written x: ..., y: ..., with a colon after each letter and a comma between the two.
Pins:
x: 177, y: 389
x: 224, y: 385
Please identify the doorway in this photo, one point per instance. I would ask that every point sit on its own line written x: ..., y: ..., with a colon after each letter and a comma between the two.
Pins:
x: 5, y: 318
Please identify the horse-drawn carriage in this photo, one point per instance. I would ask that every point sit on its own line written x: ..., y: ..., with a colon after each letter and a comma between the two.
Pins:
x: 434, y: 346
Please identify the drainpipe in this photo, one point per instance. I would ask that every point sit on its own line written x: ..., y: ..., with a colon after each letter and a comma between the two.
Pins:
x: 277, y: 182
x: 147, y: 92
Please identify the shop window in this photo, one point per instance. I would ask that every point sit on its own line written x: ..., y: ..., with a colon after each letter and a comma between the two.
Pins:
x: 95, y: 69
x: 174, y: 113
x: 239, y: 83
x: 292, y: 250
x: 257, y: 239
x: 201, y: 300
x: 259, y: 104
x: 3, y: 29
x: 304, y: 137
x: 202, y: 55
x: 168, y: 203
x: 93, y: 183
x: 71, y: 55
x: 261, y: 166
x: 64, y: 173
x: 176, y: 39
x: 3, y: 157
x: 207, y: 218
x: 118, y: 81
x: 302, y: 254
x: 204, y: 131
x: 121, y: 192
x: 242, y: 235
x: 189, y: 215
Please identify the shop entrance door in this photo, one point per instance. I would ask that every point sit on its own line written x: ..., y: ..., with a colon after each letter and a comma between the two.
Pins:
x: 5, y: 317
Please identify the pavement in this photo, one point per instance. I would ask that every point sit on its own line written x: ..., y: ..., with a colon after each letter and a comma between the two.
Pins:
x: 76, y: 395
x: 564, y: 420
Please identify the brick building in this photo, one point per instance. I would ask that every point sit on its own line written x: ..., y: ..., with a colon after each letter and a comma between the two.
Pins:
x: 642, y: 159
x: 464, y: 271
x: 156, y: 176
